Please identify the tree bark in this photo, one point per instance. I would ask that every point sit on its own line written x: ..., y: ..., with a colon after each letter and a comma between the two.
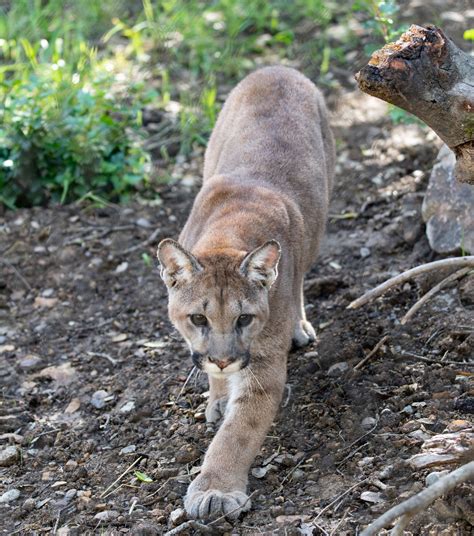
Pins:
x: 425, y: 73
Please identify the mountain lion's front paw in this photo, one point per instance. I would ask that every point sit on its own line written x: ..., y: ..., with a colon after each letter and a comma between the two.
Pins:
x: 213, y: 503
x: 215, y: 409
x: 204, y: 501
x: 304, y: 334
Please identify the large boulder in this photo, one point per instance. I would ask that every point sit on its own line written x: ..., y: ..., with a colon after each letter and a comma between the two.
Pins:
x: 448, y: 208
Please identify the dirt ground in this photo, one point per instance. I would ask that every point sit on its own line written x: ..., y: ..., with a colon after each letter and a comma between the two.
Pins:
x: 93, y: 376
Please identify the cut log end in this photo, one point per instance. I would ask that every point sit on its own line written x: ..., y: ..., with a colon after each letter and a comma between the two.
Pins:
x: 427, y: 75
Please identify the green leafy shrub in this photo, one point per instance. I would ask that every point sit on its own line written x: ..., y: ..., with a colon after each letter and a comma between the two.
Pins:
x: 64, y: 134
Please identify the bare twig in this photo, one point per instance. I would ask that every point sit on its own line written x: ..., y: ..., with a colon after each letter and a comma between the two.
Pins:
x: 414, y: 308
x: 97, y: 234
x: 362, y: 436
x: 105, y: 356
x: 454, y: 262
x: 351, y: 454
x: 335, y: 529
x: 143, y: 244
x: 332, y: 503
x: 121, y: 476
x: 193, y: 370
x: 17, y: 273
x: 375, y: 349
x: 407, y: 509
x: 436, y: 361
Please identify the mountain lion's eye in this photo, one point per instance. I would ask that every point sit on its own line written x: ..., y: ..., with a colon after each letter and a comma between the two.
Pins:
x: 199, y: 320
x: 244, y: 320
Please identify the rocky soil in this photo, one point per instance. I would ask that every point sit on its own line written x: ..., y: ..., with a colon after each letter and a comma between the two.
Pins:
x: 94, y: 378
x: 102, y: 429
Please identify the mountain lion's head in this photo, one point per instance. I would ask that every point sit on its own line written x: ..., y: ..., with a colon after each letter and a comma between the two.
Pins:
x: 219, y: 302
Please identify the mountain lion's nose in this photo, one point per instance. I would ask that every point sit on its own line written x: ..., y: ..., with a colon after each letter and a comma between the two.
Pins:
x: 222, y: 363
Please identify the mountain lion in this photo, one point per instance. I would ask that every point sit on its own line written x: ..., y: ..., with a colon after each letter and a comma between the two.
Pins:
x: 235, y: 277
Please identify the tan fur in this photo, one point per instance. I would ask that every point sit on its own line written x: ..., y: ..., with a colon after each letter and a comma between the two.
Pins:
x: 267, y: 182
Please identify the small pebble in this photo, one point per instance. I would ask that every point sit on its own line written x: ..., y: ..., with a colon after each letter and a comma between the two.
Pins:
x: 364, y: 252
x: 47, y: 293
x: 121, y: 268
x: 8, y: 456
x: 187, y: 454
x: 128, y: 449
x: 9, y: 496
x: 98, y: 399
x: 368, y: 423
x: 106, y: 515
x: 143, y: 222
x: 70, y: 465
x: 30, y: 362
x: 371, y: 497
x: 434, y: 476
x: 298, y: 475
x: 29, y: 505
x: 128, y: 407
x: 338, y: 369
x: 408, y: 410
x: 70, y: 494
x: 177, y: 517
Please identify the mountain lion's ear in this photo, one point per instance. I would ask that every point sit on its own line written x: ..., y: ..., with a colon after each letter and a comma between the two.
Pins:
x: 261, y: 264
x: 177, y: 264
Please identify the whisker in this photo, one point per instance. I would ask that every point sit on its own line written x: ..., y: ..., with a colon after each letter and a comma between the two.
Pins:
x: 259, y: 384
x: 185, y: 384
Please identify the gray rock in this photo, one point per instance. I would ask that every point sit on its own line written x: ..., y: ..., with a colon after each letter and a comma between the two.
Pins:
x: 128, y: 449
x: 368, y: 423
x: 9, y: 496
x: 177, y: 517
x: 8, y: 456
x: 106, y: 515
x: 98, y: 399
x: 338, y: 369
x: 28, y: 505
x: 30, y: 362
x: 70, y: 494
x: 434, y: 476
x: 128, y: 407
x: 143, y: 222
x: 447, y: 208
x: 364, y: 252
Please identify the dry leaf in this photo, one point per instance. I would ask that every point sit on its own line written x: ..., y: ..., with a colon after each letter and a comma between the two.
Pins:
x: 73, y: 406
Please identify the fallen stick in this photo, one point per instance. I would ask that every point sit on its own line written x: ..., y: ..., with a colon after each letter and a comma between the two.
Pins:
x: 372, y: 352
x: 414, y: 308
x: 453, y: 262
x: 407, y: 509
x: 338, y: 498
x: 436, y: 361
x: 143, y: 244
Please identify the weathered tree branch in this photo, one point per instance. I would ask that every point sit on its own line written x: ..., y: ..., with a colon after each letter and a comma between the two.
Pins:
x: 453, y: 262
x: 407, y: 509
x: 425, y: 73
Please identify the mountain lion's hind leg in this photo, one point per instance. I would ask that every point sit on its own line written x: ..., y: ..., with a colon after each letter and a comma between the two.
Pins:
x: 304, y: 333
